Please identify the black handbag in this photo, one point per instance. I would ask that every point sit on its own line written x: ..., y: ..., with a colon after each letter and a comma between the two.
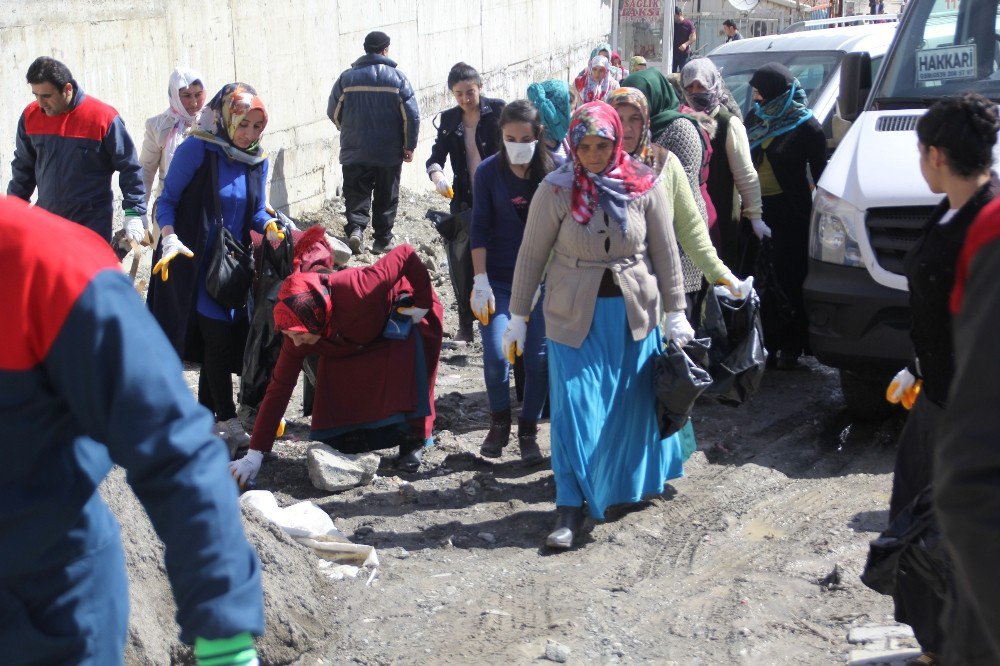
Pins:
x: 230, y: 268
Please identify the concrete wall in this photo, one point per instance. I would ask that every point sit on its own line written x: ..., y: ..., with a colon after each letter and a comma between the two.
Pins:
x: 123, y: 52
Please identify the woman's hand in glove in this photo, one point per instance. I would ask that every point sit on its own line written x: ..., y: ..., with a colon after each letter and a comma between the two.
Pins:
x: 444, y: 188
x: 678, y: 328
x: 245, y: 469
x: 904, y: 388
x: 171, y: 247
x: 482, y: 301
x: 274, y: 232
x: 739, y: 289
x: 760, y: 230
x: 135, y: 227
x: 513, y: 337
x: 415, y: 313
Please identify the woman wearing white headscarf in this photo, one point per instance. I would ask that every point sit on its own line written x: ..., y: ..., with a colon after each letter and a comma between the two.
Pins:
x: 166, y: 131
x: 731, y: 169
x: 596, y: 82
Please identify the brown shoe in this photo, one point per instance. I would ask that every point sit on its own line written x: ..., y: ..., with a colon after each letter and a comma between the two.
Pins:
x: 498, y: 436
x: 464, y: 334
x: 527, y: 442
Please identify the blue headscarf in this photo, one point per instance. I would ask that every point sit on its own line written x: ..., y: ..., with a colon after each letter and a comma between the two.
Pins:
x: 551, y: 98
x: 785, y: 104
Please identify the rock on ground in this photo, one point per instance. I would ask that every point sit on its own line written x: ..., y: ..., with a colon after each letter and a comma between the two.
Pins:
x: 296, y: 595
x: 334, y: 471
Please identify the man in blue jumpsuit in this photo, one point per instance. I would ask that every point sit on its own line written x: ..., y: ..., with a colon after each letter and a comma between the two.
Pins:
x: 68, y: 146
x: 87, y: 379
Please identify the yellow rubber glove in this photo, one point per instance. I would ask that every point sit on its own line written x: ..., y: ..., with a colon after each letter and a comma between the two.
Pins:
x: 903, y: 389
x: 281, y: 429
x: 172, y: 246
x: 482, y: 301
x: 513, y: 337
x: 273, y: 231
x: 444, y: 189
x: 910, y: 395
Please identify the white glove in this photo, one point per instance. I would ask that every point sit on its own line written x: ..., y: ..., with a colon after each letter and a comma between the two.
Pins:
x: 513, y: 337
x: 678, y: 328
x: 135, y: 229
x: 274, y: 231
x: 245, y: 469
x: 732, y: 286
x: 760, y: 230
x: 416, y: 313
x: 482, y: 301
x: 444, y: 188
x: 900, y: 384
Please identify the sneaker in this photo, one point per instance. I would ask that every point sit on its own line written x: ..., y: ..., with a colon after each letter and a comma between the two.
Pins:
x: 381, y: 246
x: 234, y: 435
x: 354, y: 240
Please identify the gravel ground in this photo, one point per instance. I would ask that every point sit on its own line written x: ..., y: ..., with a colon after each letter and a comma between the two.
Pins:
x: 724, y: 567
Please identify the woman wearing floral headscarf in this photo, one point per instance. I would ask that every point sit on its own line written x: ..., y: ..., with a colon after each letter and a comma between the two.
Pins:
x: 374, y: 385
x: 165, y: 132
x: 596, y: 82
x: 787, y: 145
x: 614, y: 266
x: 215, y: 178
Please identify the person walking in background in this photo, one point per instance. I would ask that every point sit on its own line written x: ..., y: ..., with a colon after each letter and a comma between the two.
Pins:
x: 69, y: 144
x: 216, y: 180
x: 732, y: 31
x: 684, y: 38
x: 731, y: 168
x: 186, y: 92
x: 374, y: 386
x: 787, y: 146
x: 605, y: 231
x: 618, y: 71
x: 956, y: 154
x: 682, y: 135
x: 552, y: 100
x: 87, y: 380
x: 596, y: 82
x: 637, y: 64
x: 467, y: 134
x: 505, y: 186
x: 373, y: 106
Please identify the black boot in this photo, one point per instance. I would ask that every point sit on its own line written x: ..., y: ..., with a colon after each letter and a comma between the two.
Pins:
x: 464, y: 333
x: 498, y: 436
x: 411, y: 454
x: 527, y: 441
x: 568, y: 522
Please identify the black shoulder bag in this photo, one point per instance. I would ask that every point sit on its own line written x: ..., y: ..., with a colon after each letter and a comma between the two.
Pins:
x: 230, y: 268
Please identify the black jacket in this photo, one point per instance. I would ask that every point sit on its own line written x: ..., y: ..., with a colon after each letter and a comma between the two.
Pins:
x: 373, y: 106
x: 450, y: 143
x: 967, y: 453
x: 930, y: 271
x: 789, y: 154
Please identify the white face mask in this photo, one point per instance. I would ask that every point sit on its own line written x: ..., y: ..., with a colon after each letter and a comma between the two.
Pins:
x: 520, y: 153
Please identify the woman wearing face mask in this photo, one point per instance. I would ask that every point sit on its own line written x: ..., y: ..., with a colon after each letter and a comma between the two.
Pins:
x: 787, y: 146
x: 730, y: 169
x: 374, y: 385
x: 689, y: 229
x: 614, y: 268
x: 166, y: 131
x: 214, y: 177
x: 551, y: 98
x: 956, y: 139
x: 505, y: 184
x: 682, y: 135
x: 467, y: 134
x: 596, y: 82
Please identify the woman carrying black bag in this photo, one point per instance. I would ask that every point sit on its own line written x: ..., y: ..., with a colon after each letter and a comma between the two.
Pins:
x: 213, y: 195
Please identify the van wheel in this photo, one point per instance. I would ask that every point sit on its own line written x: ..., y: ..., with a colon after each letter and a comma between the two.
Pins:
x: 864, y: 393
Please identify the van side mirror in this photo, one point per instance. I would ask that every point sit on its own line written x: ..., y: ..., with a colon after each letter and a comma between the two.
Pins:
x: 855, y: 84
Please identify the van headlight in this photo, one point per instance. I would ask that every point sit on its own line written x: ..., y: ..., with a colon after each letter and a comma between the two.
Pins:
x: 833, y: 231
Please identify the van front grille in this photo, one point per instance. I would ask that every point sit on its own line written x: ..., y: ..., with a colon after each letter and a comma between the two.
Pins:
x: 896, y: 123
x: 893, y: 231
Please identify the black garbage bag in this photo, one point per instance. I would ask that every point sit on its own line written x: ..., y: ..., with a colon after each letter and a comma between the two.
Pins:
x: 912, y: 546
x: 679, y: 377
x: 454, y: 228
x: 260, y: 355
x: 736, y: 356
x: 757, y: 259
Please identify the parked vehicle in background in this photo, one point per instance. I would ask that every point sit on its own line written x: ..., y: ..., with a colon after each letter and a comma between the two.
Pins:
x: 871, y: 202
x: 814, y: 57
x: 842, y: 22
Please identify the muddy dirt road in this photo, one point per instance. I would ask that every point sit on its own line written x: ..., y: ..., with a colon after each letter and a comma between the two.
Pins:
x: 724, y: 568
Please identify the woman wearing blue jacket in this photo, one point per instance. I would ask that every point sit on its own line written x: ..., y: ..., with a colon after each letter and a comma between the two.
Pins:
x: 505, y: 184
x: 215, y: 177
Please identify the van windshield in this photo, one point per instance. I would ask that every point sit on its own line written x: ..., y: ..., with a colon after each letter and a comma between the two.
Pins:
x: 945, y: 47
x: 813, y: 69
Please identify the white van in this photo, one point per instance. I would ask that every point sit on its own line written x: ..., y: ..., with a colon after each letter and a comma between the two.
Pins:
x: 813, y: 56
x: 872, y: 202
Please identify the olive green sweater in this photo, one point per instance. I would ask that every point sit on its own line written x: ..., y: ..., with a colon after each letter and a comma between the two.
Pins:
x: 689, y: 226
